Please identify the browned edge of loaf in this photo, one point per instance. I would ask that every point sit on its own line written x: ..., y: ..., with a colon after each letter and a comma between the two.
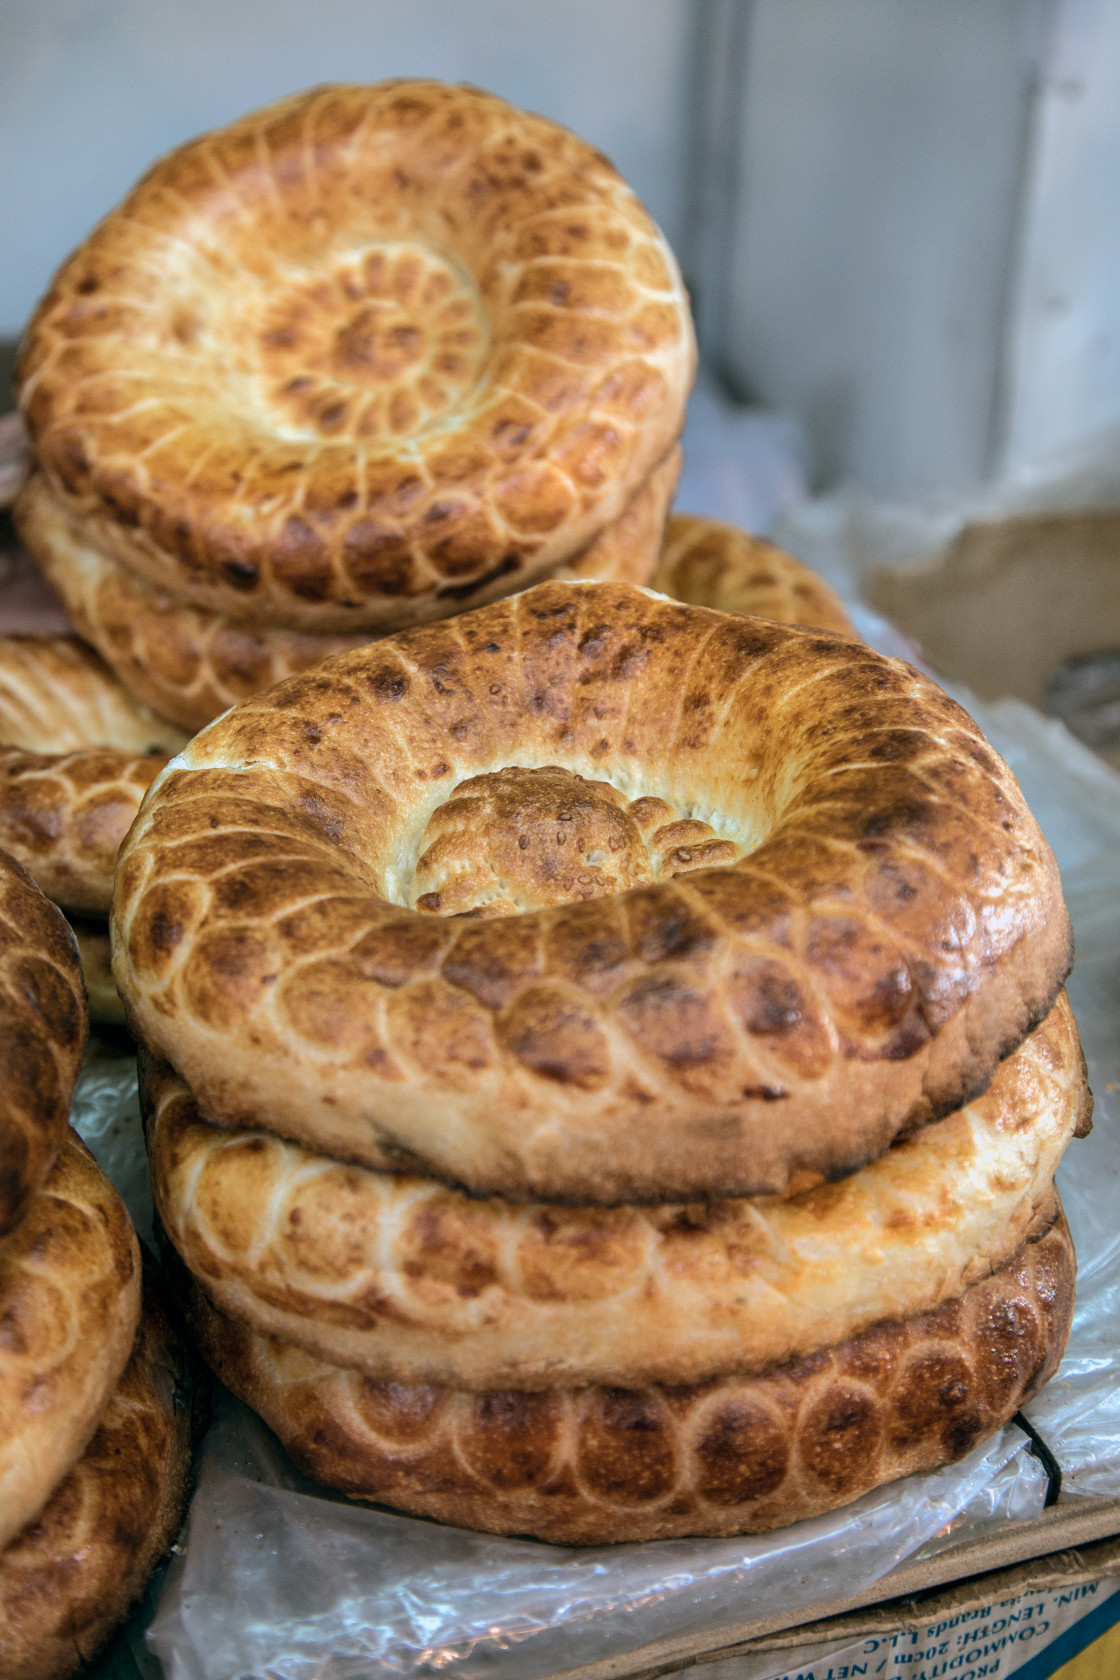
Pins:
x: 187, y: 663
x: 78, y: 752
x: 897, y: 932
x: 68, y: 1580
x: 64, y: 816
x: 711, y: 563
x: 598, y: 1466
x: 69, y: 1306
x: 587, y: 358
x: 190, y: 664
x: 627, y: 550
x: 410, y: 1282
x: 43, y: 1031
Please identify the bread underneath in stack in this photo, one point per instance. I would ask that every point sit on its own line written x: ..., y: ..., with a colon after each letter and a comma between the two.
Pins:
x: 69, y: 1578
x: 189, y: 663
x: 409, y: 1280
x: 77, y: 755
x: 94, y: 1437
x: 591, y: 1466
x: 460, y: 1357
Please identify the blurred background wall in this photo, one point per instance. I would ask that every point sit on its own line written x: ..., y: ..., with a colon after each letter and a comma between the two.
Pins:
x: 921, y: 258
x: 91, y: 91
x: 898, y: 217
x: 880, y: 152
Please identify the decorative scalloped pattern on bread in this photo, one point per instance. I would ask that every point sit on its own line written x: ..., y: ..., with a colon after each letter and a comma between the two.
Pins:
x: 592, y: 1466
x: 191, y: 664
x: 56, y: 696
x: 43, y: 1030
x: 77, y: 755
x: 627, y: 550
x: 68, y: 1579
x: 891, y: 925
x: 712, y: 564
x: 361, y: 358
x: 411, y: 1282
x: 69, y: 1305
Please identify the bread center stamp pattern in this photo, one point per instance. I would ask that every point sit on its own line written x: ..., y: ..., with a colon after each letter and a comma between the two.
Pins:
x: 381, y: 348
x: 362, y: 348
x: 519, y: 839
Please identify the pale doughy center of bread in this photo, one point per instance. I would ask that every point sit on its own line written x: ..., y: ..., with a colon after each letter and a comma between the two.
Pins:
x: 520, y: 839
x: 372, y: 343
x: 380, y: 342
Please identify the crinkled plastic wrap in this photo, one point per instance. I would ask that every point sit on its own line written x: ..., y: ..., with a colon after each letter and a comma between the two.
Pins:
x: 280, y: 1580
x: 106, y: 1111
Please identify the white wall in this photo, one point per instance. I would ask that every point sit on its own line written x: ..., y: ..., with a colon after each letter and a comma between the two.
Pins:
x: 92, y: 90
x: 1064, y: 330
x: 924, y: 245
x: 881, y: 148
x: 924, y: 260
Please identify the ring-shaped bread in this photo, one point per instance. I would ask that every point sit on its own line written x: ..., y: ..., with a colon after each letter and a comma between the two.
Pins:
x: 43, y: 1031
x: 411, y: 1282
x: 185, y: 662
x: 69, y: 1305
x: 710, y: 563
x: 77, y: 755
x: 362, y: 358
x: 69, y: 1578
x: 591, y: 1466
x: 814, y: 911
x: 191, y: 664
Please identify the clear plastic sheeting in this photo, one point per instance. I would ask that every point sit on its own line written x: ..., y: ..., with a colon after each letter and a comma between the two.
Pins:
x: 106, y: 1113
x: 277, y: 1582
x: 280, y: 1581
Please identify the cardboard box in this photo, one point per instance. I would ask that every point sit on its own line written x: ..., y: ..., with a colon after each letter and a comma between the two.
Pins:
x: 1006, y: 603
x: 1032, y: 1618
x: 1054, y: 1553
x: 1009, y: 602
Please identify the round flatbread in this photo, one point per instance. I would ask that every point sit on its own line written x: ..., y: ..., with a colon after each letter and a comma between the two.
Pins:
x: 592, y: 1466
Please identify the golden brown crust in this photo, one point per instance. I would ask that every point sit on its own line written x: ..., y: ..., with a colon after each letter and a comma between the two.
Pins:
x: 188, y: 663
x: 43, y: 1031
x: 105, y: 1006
x: 69, y: 1304
x: 712, y: 564
x: 69, y: 1578
x: 361, y: 358
x: 413, y: 1283
x: 191, y: 664
x: 892, y: 927
x: 77, y: 755
x: 627, y: 550
x: 57, y: 696
x: 64, y: 815
x: 740, y: 1455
